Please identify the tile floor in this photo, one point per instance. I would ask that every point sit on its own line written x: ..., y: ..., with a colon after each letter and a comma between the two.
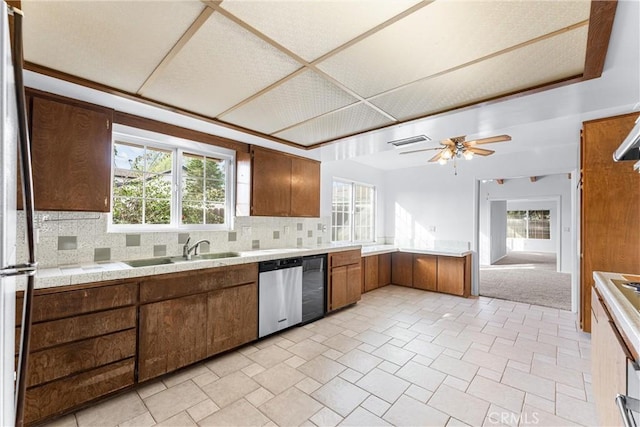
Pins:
x: 399, y: 357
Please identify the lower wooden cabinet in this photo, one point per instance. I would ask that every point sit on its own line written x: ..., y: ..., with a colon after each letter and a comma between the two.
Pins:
x: 454, y: 275
x: 232, y: 318
x: 438, y: 273
x: 425, y: 272
x: 344, y: 285
x: 384, y: 270
x: 376, y: 271
x: 608, y: 363
x: 402, y: 269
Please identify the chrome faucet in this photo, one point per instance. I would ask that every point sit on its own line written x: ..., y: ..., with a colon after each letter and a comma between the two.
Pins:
x: 186, y: 250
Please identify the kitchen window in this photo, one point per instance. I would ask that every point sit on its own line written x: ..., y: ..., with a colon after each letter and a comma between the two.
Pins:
x: 161, y: 183
x: 353, y: 212
x: 531, y: 224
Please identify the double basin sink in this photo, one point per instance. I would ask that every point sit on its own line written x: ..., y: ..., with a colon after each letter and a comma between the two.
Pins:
x: 148, y: 262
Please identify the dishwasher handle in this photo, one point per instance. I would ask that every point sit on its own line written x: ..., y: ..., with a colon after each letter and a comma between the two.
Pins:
x: 627, y: 404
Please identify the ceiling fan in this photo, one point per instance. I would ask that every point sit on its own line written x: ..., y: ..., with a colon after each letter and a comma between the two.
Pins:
x: 457, y: 147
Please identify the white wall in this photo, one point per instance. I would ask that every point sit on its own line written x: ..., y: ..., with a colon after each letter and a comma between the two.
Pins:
x: 497, y: 229
x: 353, y: 171
x: 536, y: 245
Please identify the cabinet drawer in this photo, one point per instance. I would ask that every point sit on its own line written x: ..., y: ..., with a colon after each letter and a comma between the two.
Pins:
x: 58, y: 362
x: 56, y: 332
x: 70, y: 303
x: 59, y: 396
x: 170, y: 286
x: 345, y: 258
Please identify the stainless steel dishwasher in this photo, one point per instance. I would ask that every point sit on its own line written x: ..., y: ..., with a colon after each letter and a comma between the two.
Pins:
x: 280, y: 295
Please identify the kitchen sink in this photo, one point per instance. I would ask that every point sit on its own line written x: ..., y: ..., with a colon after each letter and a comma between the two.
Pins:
x: 149, y: 262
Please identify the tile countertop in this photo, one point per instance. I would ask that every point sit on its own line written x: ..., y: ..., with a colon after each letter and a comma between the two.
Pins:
x: 112, y: 270
x: 385, y: 249
x: 625, y: 316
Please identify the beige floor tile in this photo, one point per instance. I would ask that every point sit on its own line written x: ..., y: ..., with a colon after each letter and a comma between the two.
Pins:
x: 486, y: 360
x: 558, y: 374
x: 460, y: 405
x: 421, y: 375
x: 418, y: 393
x: 531, y: 416
x: 529, y: 383
x: 575, y: 410
x: 400, y: 333
x: 247, y: 349
x: 113, y: 411
x: 204, y: 379
x: 367, y: 348
x: 423, y: 360
x: 342, y: 343
x: 259, y: 396
x: 456, y: 383
x: 284, y: 343
x: 375, y: 339
x: 181, y: 419
x: 454, y: 343
x: 290, y: 408
x: 536, y: 401
x: 424, y: 348
x: 488, y: 373
x: 536, y: 346
x: 349, y: 333
x: 185, y: 374
x: 297, y: 334
x: 389, y: 367
x: 454, y: 422
x: 497, y: 416
x: 409, y: 412
x: 230, y: 388
x: 228, y: 363
x: 375, y: 405
x: 340, y: 396
x: 567, y: 361
x: 279, y: 378
x: 564, y: 343
x: 359, y: 360
x: 350, y: 375
x: 333, y: 354
x: 252, y: 370
x: 318, y: 338
x: 173, y: 400
x: 458, y: 368
x: 324, y: 327
x: 308, y: 385
x: 578, y: 393
x: 295, y: 361
x: 270, y: 356
x: 322, y: 369
x: 70, y: 421
x: 202, y: 410
x: 144, y: 420
x: 383, y: 385
x: 511, y: 352
x: 308, y: 349
x: 394, y: 354
x: 150, y: 388
x: 524, y: 367
x: 363, y: 418
x: 325, y: 417
x: 240, y: 413
x: 499, y: 394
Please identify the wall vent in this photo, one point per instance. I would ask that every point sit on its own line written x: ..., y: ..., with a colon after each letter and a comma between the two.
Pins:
x: 410, y: 140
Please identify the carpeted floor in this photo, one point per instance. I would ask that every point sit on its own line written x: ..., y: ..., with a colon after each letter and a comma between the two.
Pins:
x: 528, y: 277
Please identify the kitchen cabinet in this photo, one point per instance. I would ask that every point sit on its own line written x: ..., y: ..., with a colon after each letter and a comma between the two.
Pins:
x: 402, y: 269
x: 608, y: 363
x: 610, y: 218
x: 284, y: 185
x: 425, y: 272
x: 384, y: 270
x: 83, y: 346
x: 345, y: 282
x: 454, y: 275
x: 71, y: 154
x: 370, y: 270
x: 187, y: 317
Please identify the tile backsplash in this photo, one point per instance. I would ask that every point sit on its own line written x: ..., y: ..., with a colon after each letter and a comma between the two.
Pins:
x: 81, y: 237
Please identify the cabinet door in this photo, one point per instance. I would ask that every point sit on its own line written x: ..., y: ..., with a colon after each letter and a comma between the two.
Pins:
x: 173, y: 334
x: 402, y: 269
x: 354, y: 278
x: 271, y: 183
x: 71, y: 150
x: 384, y: 270
x: 371, y: 279
x: 451, y: 275
x: 232, y: 318
x: 305, y: 187
x: 425, y: 272
x: 338, y: 287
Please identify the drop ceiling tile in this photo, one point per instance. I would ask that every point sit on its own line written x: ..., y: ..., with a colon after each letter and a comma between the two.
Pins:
x: 313, y: 28
x: 305, y: 96
x: 220, y: 66
x: 443, y: 35
x: 354, y: 119
x: 546, y: 61
x: 115, y: 43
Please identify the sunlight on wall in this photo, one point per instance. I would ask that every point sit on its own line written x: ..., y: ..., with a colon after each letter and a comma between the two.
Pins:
x: 403, y: 226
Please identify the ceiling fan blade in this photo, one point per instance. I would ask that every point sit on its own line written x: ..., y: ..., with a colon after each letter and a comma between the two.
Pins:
x: 418, y: 151
x: 448, y: 142
x: 436, y: 157
x: 490, y: 140
x: 480, y: 151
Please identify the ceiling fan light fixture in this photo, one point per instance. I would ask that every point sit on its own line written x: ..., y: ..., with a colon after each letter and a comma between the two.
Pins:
x: 446, y: 154
x: 442, y: 160
x: 468, y: 155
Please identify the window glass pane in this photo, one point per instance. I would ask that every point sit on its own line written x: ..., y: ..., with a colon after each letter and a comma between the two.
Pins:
x: 539, y: 224
x: 127, y: 210
x: 353, y: 208
x: 127, y: 183
x: 192, y: 166
x: 203, y: 190
x: 192, y: 212
x: 157, y: 211
x: 214, y: 213
x: 517, y: 224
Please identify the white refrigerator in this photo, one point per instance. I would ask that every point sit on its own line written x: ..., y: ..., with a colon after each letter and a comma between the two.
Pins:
x: 13, y: 131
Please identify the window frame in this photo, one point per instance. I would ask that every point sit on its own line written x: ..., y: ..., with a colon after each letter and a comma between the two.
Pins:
x: 178, y: 146
x: 526, y: 220
x: 352, y: 226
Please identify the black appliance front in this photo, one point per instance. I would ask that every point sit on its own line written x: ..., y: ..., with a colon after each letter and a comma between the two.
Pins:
x: 314, y: 287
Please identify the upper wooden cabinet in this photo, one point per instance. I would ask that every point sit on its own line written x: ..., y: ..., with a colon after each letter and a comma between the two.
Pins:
x: 610, y: 206
x: 284, y: 185
x: 71, y: 154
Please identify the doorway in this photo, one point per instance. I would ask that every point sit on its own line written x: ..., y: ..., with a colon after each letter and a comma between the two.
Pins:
x: 525, y: 240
